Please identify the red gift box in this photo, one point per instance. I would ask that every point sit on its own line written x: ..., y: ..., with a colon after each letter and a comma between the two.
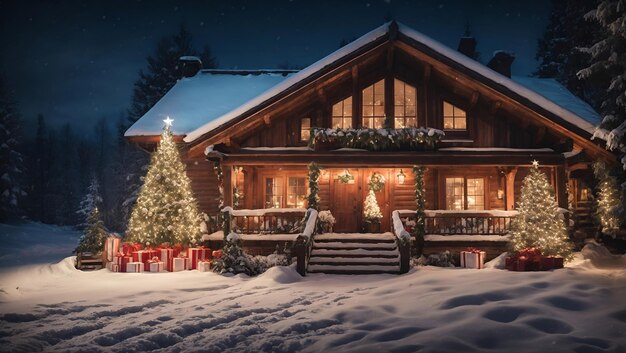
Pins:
x: 144, y: 255
x: 217, y: 253
x: 121, y: 260
x: 551, y: 263
x: 166, y: 255
x: 198, y: 254
x: 128, y: 248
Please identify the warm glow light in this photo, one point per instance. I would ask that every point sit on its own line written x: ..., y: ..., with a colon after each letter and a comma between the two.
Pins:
x: 401, y: 177
x: 535, y: 163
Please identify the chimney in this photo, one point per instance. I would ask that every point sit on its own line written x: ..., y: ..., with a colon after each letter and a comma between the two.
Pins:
x: 501, y: 62
x: 189, y: 66
x: 467, y: 46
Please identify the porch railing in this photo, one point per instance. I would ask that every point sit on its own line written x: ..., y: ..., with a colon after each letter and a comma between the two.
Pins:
x: 268, y: 221
x: 462, y: 223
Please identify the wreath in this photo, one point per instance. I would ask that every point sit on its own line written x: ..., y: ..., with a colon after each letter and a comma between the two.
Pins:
x: 376, y: 182
x: 345, y: 178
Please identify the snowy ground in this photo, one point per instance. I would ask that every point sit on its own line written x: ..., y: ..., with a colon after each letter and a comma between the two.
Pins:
x: 55, y: 308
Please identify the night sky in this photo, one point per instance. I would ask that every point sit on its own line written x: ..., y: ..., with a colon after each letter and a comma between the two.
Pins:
x: 76, y: 61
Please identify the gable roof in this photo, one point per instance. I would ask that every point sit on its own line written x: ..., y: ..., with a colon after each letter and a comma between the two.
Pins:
x: 208, y: 101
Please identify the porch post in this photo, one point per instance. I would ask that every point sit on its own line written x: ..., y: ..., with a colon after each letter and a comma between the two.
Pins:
x: 561, y: 186
x: 510, y: 188
x: 227, y: 171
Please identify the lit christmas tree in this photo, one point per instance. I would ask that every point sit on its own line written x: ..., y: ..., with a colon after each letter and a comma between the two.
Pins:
x: 166, y: 210
x: 94, y: 232
x: 539, y: 223
x: 607, y: 200
x: 371, y: 211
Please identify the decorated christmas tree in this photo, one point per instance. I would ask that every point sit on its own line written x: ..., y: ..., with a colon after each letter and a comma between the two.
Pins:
x: 539, y: 223
x: 607, y: 199
x: 371, y: 211
x: 94, y: 232
x: 166, y: 210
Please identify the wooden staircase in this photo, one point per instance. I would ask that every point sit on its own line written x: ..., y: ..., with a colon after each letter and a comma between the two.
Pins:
x: 353, y: 254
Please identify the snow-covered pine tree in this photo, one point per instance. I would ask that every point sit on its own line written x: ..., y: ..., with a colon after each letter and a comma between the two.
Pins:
x: 371, y: 211
x: 11, y: 160
x: 90, y: 201
x: 94, y: 232
x: 608, y: 69
x: 539, y: 222
x: 234, y: 259
x: 557, y: 50
x: 608, y: 208
x: 166, y: 210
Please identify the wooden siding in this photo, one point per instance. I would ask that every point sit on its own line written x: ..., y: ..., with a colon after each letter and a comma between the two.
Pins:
x: 204, y: 184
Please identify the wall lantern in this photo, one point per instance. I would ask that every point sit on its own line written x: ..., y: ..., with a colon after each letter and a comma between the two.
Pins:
x: 401, y: 177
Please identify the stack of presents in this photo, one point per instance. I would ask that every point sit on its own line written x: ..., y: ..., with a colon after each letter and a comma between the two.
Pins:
x: 525, y: 260
x: 132, y: 257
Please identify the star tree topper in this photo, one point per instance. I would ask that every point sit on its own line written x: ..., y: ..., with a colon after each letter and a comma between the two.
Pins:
x: 535, y: 163
x: 168, y: 122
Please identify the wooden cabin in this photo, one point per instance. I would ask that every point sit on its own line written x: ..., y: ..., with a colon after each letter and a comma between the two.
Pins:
x: 257, y: 126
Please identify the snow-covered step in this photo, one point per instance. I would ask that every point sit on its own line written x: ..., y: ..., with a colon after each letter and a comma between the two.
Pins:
x: 353, y: 269
x: 351, y: 245
x: 354, y: 254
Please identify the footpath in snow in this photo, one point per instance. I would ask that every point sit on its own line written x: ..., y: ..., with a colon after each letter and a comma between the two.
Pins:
x: 55, y: 308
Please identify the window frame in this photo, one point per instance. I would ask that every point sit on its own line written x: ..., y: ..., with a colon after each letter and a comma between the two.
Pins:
x: 454, y: 118
x: 394, y: 105
x: 466, y: 177
x: 385, y: 102
x: 284, y: 178
x: 343, y: 117
x: 302, y: 141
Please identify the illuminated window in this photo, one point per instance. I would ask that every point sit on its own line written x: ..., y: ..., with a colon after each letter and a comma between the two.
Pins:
x: 342, y: 114
x: 296, y: 192
x: 374, y: 105
x: 405, y: 104
x: 305, y: 129
x: 465, y: 193
x: 453, y: 117
x: 273, y: 192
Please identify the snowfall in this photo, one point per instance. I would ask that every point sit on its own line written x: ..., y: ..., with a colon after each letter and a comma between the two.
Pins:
x: 48, y: 306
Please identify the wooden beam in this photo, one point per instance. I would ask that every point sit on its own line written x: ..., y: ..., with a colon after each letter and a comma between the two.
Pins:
x: 427, y: 72
x: 356, y: 97
x: 390, y: 54
x: 474, y: 99
x: 509, y: 197
x: 233, y: 144
x: 495, y: 106
x: 227, y: 172
x: 561, y: 186
x: 267, y: 120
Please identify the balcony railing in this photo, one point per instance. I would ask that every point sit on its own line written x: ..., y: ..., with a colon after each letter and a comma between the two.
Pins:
x: 268, y: 221
x: 462, y: 223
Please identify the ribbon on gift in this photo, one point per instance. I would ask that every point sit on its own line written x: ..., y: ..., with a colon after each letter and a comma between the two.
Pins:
x: 199, y: 253
x: 129, y: 248
x: 111, y: 247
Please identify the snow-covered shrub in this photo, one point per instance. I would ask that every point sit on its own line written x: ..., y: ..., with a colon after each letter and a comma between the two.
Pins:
x: 325, y: 221
x: 443, y: 259
x: 234, y: 260
x: 277, y: 258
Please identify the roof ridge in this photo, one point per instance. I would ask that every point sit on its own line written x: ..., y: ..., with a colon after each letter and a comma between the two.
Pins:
x: 248, y: 71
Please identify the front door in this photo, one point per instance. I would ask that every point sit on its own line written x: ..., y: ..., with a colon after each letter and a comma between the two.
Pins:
x: 345, y: 203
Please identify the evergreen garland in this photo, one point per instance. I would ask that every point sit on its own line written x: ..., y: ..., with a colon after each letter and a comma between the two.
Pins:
x: 409, y: 138
x: 420, y: 200
x: 219, y: 173
x: 314, y: 175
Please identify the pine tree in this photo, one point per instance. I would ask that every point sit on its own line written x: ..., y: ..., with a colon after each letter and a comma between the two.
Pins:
x: 94, y: 232
x: 558, y: 50
x: 371, y: 211
x: 608, y: 70
x: 166, y: 210
x: 608, y: 207
x: 234, y: 259
x: 162, y: 72
x: 539, y: 222
x: 11, y: 160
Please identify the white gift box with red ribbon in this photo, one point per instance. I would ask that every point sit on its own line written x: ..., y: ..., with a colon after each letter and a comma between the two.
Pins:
x: 135, y: 267
x: 473, y: 258
x: 181, y: 264
x: 111, y: 247
x: 204, y: 266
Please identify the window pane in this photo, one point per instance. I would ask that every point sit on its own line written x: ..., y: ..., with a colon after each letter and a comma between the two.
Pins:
x: 342, y: 112
x: 337, y: 123
x: 305, y: 129
x: 475, y: 194
x: 379, y: 110
x: 459, y: 123
x: 399, y: 123
x: 373, y: 104
x: 347, y: 123
x: 368, y: 110
x: 379, y: 123
x: 448, y: 123
x: 410, y: 110
x: 455, y: 196
x: 448, y: 110
x: 453, y: 117
x: 296, y: 193
x: 410, y: 122
x: 368, y: 95
x: 337, y: 108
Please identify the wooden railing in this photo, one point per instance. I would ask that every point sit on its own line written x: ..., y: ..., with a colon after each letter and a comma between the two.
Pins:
x: 268, y: 221
x: 403, y: 241
x: 479, y: 223
x: 303, y: 244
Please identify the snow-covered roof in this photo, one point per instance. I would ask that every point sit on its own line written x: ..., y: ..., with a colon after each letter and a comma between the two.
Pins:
x: 211, y: 99
x: 204, y: 97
